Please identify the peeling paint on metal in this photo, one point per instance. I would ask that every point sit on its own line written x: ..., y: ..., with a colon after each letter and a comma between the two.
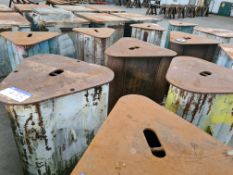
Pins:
x: 52, y: 135
x: 210, y: 112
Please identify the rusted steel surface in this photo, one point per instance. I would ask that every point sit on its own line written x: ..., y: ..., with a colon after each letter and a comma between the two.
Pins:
x: 75, y: 73
x: 224, y: 57
x: 76, y: 8
x: 92, y: 43
x: 106, y: 20
x: 54, y: 126
x: 147, y: 140
x: 140, y: 68
x: 134, y: 17
x: 101, y: 18
x: 105, y: 8
x: 23, y: 8
x: 148, y: 32
x: 178, y: 26
x: 56, y: 19
x: 193, y: 45
x: 19, y: 45
x: 5, y: 8
x: 201, y: 93
x: 14, y: 22
x: 222, y: 35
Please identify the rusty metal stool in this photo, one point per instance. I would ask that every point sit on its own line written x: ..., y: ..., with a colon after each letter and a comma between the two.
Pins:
x: 140, y: 137
x: 133, y: 18
x: 140, y: 68
x: 101, y: 20
x: 92, y: 43
x: 13, y: 22
x: 224, y: 57
x: 149, y: 32
x: 18, y: 45
x: 193, y: 45
x: 202, y: 93
x: 222, y: 35
x: 178, y: 26
x: 56, y: 106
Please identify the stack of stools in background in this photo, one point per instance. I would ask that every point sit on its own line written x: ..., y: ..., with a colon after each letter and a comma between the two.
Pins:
x: 178, y: 26
x: 222, y: 35
x: 56, y: 105
x: 141, y: 137
x: 149, y: 32
x: 193, y: 45
x: 202, y: 93
x: 92, y: 43
x: 139, y: 67
x: 224, y: 57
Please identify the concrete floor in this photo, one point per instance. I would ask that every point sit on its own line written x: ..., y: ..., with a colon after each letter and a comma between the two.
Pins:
x: 9, y: 159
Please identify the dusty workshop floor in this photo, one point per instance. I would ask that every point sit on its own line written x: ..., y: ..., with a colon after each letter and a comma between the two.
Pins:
x: 9, y: 160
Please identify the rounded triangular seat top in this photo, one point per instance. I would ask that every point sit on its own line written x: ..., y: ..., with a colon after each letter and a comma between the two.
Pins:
x: 49, y: 76
x: 182, y: 38
x: 96, y: 32
x: 131, y: 47
x: 216, y: 31
x: 181, y: 23
x: 28, y: 38
x: 199, y: 76
x: 148, y: 26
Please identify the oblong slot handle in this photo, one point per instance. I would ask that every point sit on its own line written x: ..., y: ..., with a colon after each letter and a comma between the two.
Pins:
x: 153, y: 142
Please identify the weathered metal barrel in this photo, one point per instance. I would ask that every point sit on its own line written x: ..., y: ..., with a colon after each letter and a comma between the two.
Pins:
x: 140, y: 68
x: 19, y: 45
x: 221, y: 35
x: 178, y: 26
x: 141, y: 137
x: 13, y: 22
x: 56, y: 106
x: 202, y: 93
x: 102, y: 20
x: 193, y: 45
x: 224, y: 57
x: 92, y: 43
x: 149, y: 32
x: 133, y: 18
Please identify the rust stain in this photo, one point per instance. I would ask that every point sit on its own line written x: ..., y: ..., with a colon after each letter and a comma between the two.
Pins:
x: 43, y: 131
x: 187, y: 106
x: 196, y: 107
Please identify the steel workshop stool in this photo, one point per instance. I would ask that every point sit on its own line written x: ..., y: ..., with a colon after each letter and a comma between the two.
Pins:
x: 140, y: 68
x: 56, y: 106
x: 18, y: 45
x: 149, y: 32
x: 178, y: 26
x: 92, y: 43
x: 221, y: 35
x: 141, y: 137
x: 202, y: 93
x: 193, y: 45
